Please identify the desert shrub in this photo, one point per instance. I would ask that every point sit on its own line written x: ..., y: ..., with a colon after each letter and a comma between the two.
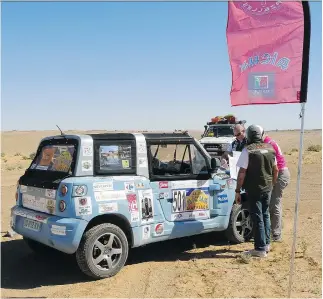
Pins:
x: 25, y: 158
x: 5, y: 160
x: 294, y: 150
x: 3, y: 155
x: 19, y: 167
x: 17, y: 154
x: 9, y: 168
x: 32, y: 156
x: 315, y: 148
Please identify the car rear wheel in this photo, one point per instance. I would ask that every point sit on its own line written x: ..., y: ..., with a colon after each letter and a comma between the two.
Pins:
x: 103, y: 251
x: 240, y: 227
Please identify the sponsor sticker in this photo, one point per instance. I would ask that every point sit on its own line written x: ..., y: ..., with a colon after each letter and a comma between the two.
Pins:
x: 58, y: 230
x: 132, y: 202
x: 140, y: 185
x: 194, y: 215
x: 50, y: 206
x: 108, y: 207
x: 102, y: 186
x: 163, y: 185
x: 110, y: 195
x: 159, y: 229
x: 129, y: 186
x: 146, y: 205
x: 87, y: 151
x: 30, y: 215
x: 50, y: 193
x: 134, y: 216
x: 87, y: 165
x: 83, y: 206
x: 163, y: 195
x: 189, y: 184
x: 143, y: 162
x: 230, y: 183
x: 141, y: 148
x: 146, y: 232
x: 222, y: 198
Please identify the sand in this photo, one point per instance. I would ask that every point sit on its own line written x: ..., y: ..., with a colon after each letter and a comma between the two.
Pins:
x: 201, y: 266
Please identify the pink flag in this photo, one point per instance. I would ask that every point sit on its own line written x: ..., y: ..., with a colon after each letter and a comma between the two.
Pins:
x: 268, y: 51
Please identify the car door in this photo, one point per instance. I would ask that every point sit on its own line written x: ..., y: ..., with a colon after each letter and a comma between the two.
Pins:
x: 181, y: 181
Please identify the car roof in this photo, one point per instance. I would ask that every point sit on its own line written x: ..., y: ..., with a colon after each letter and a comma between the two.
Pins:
x: 175, y: 136
x: 121, y: 136
x: 148, y: 136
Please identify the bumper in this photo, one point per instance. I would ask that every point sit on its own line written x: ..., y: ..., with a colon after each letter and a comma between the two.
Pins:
x: 63, y: 234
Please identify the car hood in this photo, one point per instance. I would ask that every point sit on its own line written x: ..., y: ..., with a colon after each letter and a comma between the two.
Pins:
x: 217, y: 140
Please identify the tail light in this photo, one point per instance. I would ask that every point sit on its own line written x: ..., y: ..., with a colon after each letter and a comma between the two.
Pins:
x: 64, y: 190
x: 62, y: 205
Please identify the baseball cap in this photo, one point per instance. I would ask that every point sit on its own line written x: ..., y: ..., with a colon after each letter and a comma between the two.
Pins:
x: 254, y: 134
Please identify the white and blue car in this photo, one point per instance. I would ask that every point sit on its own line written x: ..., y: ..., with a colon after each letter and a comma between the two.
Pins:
x: 98, y: 195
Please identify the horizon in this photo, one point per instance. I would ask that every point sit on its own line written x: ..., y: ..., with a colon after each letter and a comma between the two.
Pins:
x: 156, y: 65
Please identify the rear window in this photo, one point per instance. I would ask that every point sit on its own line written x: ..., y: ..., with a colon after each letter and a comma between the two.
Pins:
x: 54, y: 158
x: 114, y: 157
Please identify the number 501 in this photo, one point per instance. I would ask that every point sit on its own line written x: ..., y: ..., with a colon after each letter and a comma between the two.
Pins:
x: 179, y: 197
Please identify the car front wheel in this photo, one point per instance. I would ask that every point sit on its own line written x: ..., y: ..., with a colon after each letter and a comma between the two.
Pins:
x: 103, y: 251
x: 240, y: 227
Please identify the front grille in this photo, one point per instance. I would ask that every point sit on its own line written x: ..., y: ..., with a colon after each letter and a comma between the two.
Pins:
x: 214, y: 149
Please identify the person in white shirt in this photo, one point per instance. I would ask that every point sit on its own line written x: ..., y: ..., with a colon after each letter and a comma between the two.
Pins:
x: 257, y: 175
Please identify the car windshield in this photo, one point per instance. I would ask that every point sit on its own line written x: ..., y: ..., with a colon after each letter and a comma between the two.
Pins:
x: 219, y: 131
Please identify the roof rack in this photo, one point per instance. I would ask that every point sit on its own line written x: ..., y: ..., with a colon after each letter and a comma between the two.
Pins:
x: 240, y: 122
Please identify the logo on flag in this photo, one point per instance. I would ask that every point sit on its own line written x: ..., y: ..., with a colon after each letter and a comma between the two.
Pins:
x: 261, y: 82
x: 261, y: 85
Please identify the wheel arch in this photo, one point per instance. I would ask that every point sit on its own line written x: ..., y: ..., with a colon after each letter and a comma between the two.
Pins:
x: 116, y: 219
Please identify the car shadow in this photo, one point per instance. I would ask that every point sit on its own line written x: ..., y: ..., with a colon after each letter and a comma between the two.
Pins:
x: 23, y: 269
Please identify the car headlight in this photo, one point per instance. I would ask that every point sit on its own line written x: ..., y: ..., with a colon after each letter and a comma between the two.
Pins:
x: 225, y: 146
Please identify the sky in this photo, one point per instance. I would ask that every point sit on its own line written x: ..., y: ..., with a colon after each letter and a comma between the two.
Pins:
x: 130, y: 66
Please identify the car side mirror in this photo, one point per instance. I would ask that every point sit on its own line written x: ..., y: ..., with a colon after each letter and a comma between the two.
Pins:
x: 215, y: 163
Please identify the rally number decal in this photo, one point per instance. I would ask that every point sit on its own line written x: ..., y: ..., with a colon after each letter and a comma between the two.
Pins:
x: 179, y: 200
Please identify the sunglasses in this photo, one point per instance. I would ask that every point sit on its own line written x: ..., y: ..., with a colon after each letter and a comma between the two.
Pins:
x: 239, y: 134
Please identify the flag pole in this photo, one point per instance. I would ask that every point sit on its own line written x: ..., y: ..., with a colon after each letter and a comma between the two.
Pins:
x: 298, y: 187
x: 303, y: 100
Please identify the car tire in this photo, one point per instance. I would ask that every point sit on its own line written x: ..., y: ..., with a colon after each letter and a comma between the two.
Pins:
x: 99, y: 257
x: 240, y: 218
x: 37, y: 247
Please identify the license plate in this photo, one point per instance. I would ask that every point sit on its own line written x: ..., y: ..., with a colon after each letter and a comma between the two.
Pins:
x: 32, y: 224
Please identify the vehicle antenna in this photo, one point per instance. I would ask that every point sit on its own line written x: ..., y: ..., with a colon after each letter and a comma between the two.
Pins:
x: 60, y: 130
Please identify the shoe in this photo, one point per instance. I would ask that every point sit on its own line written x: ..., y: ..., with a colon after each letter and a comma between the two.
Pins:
x: 267, y: 248
x: 277, y: 239
x: 256, y: 253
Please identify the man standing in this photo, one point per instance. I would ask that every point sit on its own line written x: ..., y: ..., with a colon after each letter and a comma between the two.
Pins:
x: 277, y: 193
x: 257, y: 175
x: 239, y: 143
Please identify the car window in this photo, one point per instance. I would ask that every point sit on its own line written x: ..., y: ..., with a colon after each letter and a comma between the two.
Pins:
x: 54, y: 158
x: 176, y: 160
x: 115, y: 157
x: 198, y: 161
x: 219, y: 131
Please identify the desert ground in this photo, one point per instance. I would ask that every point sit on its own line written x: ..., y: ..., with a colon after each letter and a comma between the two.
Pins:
x: 202, y: 266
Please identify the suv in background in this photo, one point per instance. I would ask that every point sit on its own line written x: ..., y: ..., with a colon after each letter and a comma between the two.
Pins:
x: 218, y: 136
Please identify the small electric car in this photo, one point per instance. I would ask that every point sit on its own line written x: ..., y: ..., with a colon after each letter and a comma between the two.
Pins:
x: 98, y: 195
